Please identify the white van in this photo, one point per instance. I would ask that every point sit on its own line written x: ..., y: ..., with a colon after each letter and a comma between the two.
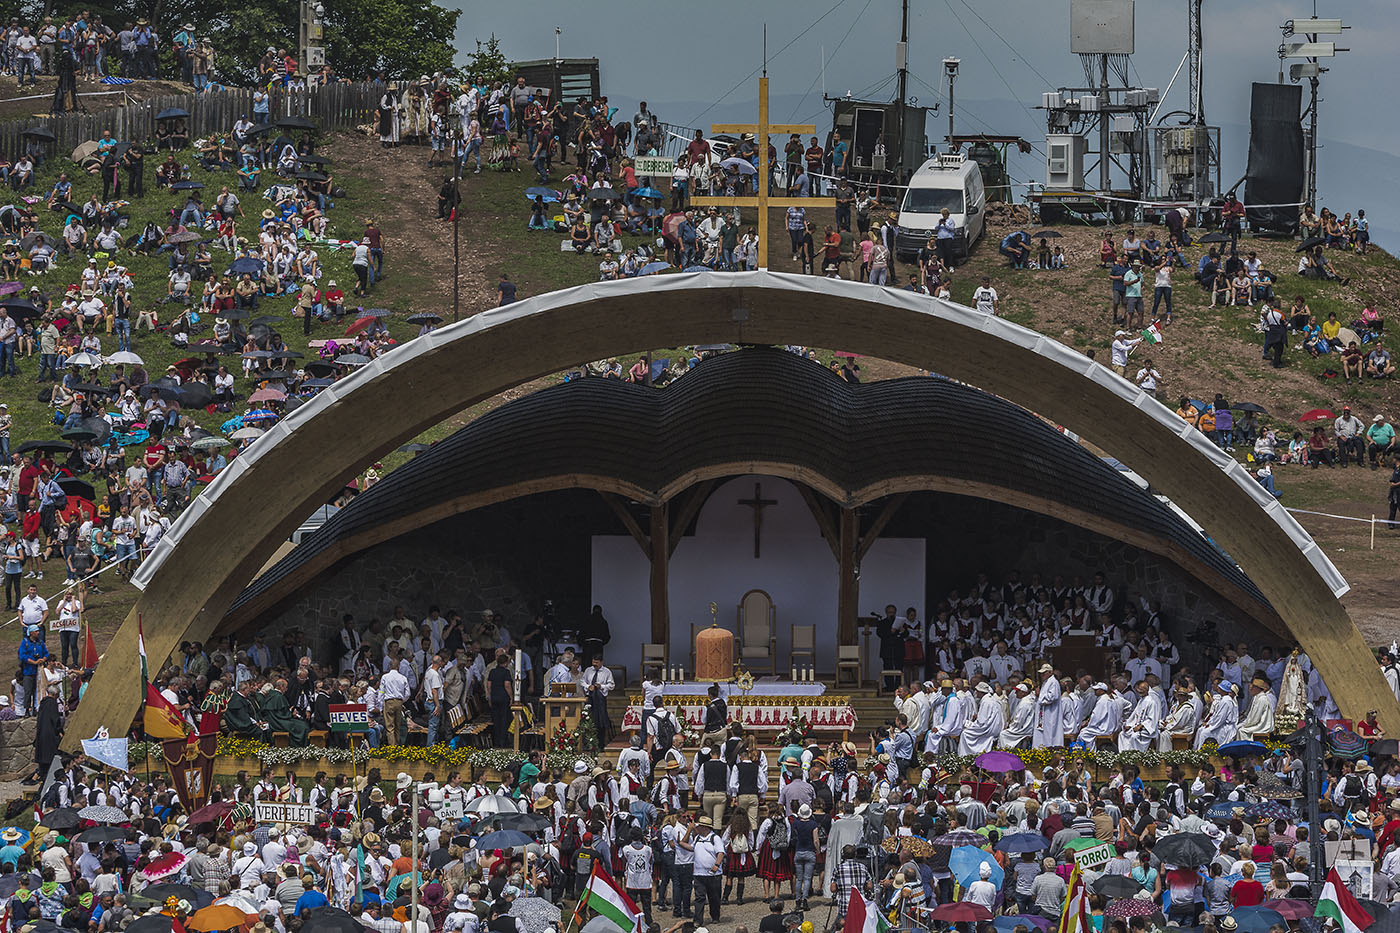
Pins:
x: 949, y: 181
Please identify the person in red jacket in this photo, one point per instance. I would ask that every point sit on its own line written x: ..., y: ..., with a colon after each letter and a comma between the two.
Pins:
x: 32, y: 527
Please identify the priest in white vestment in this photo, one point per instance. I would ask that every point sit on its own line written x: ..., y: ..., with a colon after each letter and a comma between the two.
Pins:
x: 1258, y: 722
x: 1050, y: 720
x: 1182, y: 719
x: 1105, y: 720
x: 1139, y: 732
x: 1221, y: 723
x: 1069, y: 710
x: 945, y: 724
x: 980, y: 732
x: 1023, y: 713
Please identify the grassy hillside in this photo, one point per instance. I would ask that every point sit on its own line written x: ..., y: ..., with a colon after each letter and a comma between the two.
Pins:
x: 1207, y: 350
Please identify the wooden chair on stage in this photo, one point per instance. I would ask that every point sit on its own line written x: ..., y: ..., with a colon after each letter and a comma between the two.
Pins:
x: 804, y: 645
x: 653, y: 658
x: 848, y: 660
x: 758, y: 632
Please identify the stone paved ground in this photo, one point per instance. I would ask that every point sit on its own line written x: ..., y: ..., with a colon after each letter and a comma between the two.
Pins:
x: 754, y: 909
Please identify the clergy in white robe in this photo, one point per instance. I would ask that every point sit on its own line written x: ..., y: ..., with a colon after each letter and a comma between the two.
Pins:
x: 945, y: 725
x: 980, y: 732
x: 1050, y: 720
x: 1139, y: 732
x: 1069, y: 709
x: 1105, y: 720
x: 1022, y: 719
x: 1392, y: 674
x: 1221, y: 722
x: 1182, y: 719
x: 1259, y: 720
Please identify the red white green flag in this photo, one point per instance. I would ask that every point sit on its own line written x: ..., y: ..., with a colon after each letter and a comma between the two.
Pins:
x: 1338, y: 903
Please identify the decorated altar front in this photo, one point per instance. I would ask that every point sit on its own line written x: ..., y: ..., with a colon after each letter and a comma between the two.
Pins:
x: 758, y: 712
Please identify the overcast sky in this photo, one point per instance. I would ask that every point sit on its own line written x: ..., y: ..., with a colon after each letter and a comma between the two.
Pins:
x: 688, y: 66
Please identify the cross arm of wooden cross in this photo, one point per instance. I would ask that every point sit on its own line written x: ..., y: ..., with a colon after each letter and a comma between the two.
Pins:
x: 734, y: 129
x: 706, y: 200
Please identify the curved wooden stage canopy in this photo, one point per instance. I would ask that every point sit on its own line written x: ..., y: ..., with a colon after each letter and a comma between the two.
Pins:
x: 228, y: 533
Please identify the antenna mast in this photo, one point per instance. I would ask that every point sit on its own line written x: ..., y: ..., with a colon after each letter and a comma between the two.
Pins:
x: 901, y: 65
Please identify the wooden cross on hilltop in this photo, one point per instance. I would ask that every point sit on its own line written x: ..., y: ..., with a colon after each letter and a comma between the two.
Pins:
x: 761, y: 130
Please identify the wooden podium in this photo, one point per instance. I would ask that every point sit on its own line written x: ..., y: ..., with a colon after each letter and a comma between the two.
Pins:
x: 568, y: 710
x: 1076, y: 651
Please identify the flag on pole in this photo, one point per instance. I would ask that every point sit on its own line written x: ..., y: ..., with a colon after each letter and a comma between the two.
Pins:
x: 1338, y: 903
x: 90, y: 656
x: 141, y: 650
x: 603, y: 896
x: 863, y: 916
x: 161, y: 719
x: 1075, y: 918
x: 1152, y: 333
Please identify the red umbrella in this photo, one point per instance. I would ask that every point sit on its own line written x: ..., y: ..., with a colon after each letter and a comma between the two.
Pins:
x: 1290, y: 909
x: 212, y: 813
x: 1317, y: 414
x: 78, y: 508
x: 961, y: 912
x: 267, y: 395
x: 358, y: 326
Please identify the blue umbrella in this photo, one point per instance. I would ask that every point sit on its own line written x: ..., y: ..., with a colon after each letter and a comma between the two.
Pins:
x: 1257, y: 919
x: 648, y: 193
x: 1022, y: 842
x: 1222, y: 811
x: 245, y: 265
x: 1243, y: 749
x: 260, y: 415
x: 966, y: 863
x: 1007, y: 924
x: 503, y: 839
x: 549, y: 194
x: 652, y: 268
x: 1269, y: 810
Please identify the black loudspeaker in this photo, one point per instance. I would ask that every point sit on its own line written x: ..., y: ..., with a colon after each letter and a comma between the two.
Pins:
x: 1276, y: 161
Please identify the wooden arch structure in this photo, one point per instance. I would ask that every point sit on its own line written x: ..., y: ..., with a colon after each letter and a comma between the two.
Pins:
x: 228, y: 533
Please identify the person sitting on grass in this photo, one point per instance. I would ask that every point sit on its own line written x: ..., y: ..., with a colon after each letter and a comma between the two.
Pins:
x: 1313, y: 341
x: 1352, y: 361
x: 1378, y: 362
x: 168, y: 172
x: 1220, y: 289
x: 1319, y: 450
x: 537, y: 216
x: 578, y: 235
x: 1297, y: 450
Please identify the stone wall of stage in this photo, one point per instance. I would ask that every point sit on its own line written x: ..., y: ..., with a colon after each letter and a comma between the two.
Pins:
x: 511, y: 557
x: 996, y: 538
x: 508, y: 558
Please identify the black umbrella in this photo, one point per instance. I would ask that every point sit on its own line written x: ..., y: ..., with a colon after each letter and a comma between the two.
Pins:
x: 173, y: 113
x: 320, y: 368
x: 311, y: 176
x: 256, y: 354
x: 267, y: 319
x: 194, y: 395
x: 187, y: 186
x: 259, y: 128
x: 233, y: 314
x: 296, y: 123
x: 39, y: 132
x: 372, y: 312
x: 63, y: 819
x: 1250, y: 406
x: 78, y: 433
x: 46, y: 447
x: 312, y: 159
x: 91, y: 388
x: 330, y: 920
x: 1185, y: 849
x: 285, y: 354
x: 272, y: 374
x: 154, y: 923
x: 20, y: 308
x: 424, y: 317
x: 293, y: 403
x: 97, y: 426
x: 1047, y: 235
x: 440, y: 858
x: 1214, y: 238
x: 1310, y: 242
x: 99, y: 833
x: 245, y: 265
x: 525, y: 822
x: 603, y: 194
x: 9, y: 884
x: 184, y: 892
x: 35, y: 237
x: 1115, y: 886
x: 318, y: 384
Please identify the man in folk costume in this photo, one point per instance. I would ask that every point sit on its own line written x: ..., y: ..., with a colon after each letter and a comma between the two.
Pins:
x: 1050, y: 720
x: 1105, y: 720
x: 981, y: 731
x: 1140, y: 732
x: 1222, y: 720
x: 666, y: 792
x: 1182, y: 719
x: 1022, y: 719
x: 1259, y: 720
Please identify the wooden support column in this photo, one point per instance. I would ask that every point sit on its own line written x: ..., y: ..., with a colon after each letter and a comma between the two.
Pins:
x: 660, y: 575
x: 848, y: 592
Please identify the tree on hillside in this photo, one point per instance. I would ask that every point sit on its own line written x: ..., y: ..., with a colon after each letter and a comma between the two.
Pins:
x: 488, y: 63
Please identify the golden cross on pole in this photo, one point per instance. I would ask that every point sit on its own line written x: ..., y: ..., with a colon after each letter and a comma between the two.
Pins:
x: 761, y: 130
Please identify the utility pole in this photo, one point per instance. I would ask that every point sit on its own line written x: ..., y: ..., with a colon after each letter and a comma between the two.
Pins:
x: 310, y: 31
x: 459, y: 154
x: 950, y: 68
x: 901, y: 67
x: 1311, y: 50
x: 1312, y: 772
x: 1104, y: 121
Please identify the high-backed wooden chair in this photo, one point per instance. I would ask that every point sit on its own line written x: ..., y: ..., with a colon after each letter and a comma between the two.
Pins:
x: 757, y: 632
x: 653, y: 659
x: 848, y: 660
x: 804, y: 646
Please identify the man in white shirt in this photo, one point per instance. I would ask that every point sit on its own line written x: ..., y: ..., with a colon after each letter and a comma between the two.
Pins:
x: 432, y: 696
x: 33, y: 610
x: 1122, y: 347
x: 1148, y: 377
x: 595, y: 685
x: 394, y: 688
x: 985, y: 298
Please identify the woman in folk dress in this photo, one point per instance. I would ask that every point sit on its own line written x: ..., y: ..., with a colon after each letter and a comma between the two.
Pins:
x: 740, y: 860
x: 774, y: 867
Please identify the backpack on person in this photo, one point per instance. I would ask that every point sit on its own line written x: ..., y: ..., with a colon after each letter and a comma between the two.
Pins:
x: 779, y: 836
x: 665, y: 730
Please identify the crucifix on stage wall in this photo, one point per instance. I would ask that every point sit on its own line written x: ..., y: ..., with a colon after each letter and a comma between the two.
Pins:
x: 757, y: 503
x: 762, y: 130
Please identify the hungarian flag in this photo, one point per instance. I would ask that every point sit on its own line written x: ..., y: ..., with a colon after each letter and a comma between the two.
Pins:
x: 141, y: 650
x: 1338, y: 903
x: 90, y: 656
x: 161, y: 720
x: 863, y: 916
x: 1075, y: 918
x: 1152, y: 333
x: 603, y: 896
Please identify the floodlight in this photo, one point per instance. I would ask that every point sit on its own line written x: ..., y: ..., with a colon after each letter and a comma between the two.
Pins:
x: 1315, y: 27
x: 1310, y: 50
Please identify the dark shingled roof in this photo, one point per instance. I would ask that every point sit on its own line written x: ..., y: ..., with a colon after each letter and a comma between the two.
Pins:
x: 766, y: 405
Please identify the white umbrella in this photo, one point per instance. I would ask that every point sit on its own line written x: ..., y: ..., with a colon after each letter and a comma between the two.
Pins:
x: 492, y: 803
x: 240, y: 900
x: 84, y: 359
x: 743, y: 166
x: 125, y: 356
x: 103, y: 814
x: 246, y: 434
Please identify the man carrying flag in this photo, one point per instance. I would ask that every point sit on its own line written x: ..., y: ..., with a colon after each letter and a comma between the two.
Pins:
x: 1338, y: 903
x: 602, y: 896
x: 863, y: 916
x: 1075, y: 918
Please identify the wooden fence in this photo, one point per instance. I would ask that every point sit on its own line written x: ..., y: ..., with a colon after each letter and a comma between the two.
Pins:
x: 332, y: 106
